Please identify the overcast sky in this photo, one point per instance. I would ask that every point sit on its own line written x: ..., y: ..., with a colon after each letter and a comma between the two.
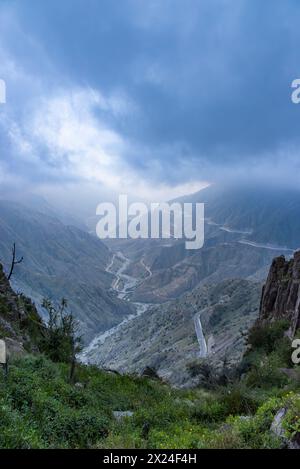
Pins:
x: 153, y: 97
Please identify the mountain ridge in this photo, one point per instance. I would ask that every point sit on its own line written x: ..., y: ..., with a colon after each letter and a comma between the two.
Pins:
x: 60, y: 261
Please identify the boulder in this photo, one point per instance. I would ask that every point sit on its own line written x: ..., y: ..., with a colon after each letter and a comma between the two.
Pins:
x: 278, y: 430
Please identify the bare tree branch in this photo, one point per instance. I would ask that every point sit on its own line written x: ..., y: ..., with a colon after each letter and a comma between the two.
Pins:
x: 14, y: 261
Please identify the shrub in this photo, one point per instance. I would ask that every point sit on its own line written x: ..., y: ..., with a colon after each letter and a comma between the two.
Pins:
x: 265, y: 337
x: 238, y: 399
x: 60, y: 341
x: 266, y: 373
x: 292, y: 419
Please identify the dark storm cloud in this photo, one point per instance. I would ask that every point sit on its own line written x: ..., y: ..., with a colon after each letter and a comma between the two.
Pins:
x: 210, y: 80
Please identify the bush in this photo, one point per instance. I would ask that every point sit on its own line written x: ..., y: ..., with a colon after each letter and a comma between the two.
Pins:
x: 39, y: 408
x: 292, y: 419
x: 43, y: 410
x: 60, y: 341
x: 238, y: 399
x: 210, y: 410
x: 265, y: 337
x: 233, y: 399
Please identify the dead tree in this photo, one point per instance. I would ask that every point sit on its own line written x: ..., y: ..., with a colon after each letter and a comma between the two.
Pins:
x: 14, y: 261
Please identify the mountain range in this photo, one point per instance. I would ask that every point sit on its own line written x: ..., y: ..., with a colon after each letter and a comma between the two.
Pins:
x: 245, y: 227
x: 60, y: 260
x: 244, y: 230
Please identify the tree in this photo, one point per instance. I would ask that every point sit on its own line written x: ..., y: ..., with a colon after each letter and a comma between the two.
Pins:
x: 61, y: 341
x: 14, y: 261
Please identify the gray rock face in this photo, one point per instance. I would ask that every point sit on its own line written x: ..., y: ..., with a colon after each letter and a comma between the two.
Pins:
x: 278, y: 430
x: 281, y: 293
x: 149, y: 372
x: 276, y: 426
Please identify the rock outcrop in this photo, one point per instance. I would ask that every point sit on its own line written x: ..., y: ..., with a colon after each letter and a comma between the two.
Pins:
x: 278, y: 430
x: 20, y: 324
x: 281, y: 293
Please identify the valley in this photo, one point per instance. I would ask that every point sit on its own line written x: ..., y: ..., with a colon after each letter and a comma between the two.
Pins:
x: 61, y: 261
x: 197, y: 305
x: 151, y: 302
x: 149, y: 228
x: 123, y: 285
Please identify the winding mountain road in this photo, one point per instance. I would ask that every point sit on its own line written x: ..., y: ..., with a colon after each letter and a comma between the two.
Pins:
x: 123, y: 285
x: 266, y: 246
x: 200, y: 336
x: 146, y: 268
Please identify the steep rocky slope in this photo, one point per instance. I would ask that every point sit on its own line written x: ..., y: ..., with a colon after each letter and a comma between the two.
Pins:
x: 20, y: 323
x: 164, y: 337
x: 245, y: 227
x: 211, y: 264
x: 281, y: 293
x: 60, y: 261
x: 262, y: 213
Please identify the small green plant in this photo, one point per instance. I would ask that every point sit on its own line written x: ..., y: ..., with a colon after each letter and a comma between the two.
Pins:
x: 265, y: 337
x: 60, y: 341
x: 292, y: 419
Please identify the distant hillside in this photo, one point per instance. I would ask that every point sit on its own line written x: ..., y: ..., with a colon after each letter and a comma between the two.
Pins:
x: 164, y: 337
x: 60, y: 261
x: 245, y: 228
x: 266, y: 214
x: 212, y: 264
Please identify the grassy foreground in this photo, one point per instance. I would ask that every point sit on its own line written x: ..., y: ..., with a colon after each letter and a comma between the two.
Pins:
x: 40, y: 409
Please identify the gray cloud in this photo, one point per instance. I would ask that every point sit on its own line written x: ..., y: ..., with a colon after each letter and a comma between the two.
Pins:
x: 205, y: 86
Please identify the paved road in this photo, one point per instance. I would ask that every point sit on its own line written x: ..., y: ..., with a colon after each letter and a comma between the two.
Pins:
x: 108, y: 268
x: 200, y: 336
x: 123, y: 284
x: 266, y: 246
x: 146, y: 268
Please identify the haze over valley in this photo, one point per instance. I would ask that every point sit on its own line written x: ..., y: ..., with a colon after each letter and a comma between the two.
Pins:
x: 153, y: 303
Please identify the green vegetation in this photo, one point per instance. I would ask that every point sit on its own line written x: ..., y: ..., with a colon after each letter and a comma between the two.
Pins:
x: 60, y: 340
x: 270, y: 352
x: 45, y: 402
x: 39, y: 408
x: 24, y: 320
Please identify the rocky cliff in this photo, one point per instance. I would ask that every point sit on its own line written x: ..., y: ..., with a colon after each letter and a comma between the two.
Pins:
x: 20, y: 323
x: 281, y: 293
